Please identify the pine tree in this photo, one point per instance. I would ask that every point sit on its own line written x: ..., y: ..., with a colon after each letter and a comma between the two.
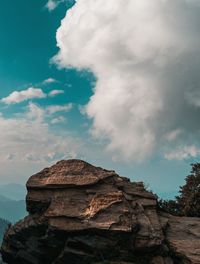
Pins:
x: 188, y: 202
x: 189, y: 199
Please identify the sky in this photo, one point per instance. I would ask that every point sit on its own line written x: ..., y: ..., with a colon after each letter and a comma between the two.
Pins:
x: 115, y: 83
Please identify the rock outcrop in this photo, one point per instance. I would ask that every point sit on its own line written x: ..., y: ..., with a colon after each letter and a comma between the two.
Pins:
x: 79, y: 213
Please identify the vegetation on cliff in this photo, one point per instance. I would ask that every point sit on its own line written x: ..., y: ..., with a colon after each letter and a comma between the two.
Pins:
x: 188, y: 202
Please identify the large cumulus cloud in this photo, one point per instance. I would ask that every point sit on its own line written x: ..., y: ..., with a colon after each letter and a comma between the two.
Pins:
x: 146, y: 57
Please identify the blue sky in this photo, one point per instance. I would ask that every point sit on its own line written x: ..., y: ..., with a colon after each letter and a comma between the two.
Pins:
x: 100, y: 97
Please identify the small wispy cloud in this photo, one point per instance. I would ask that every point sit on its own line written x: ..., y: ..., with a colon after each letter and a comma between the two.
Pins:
x: 56, y: 92
x: 53, y: 4
x: 58, y: 120
x: 41, y: 113
x: 183, y: 153
x: 173, y: 135
x: 24, y: 95
x: 28, y: 94
x: 49, y: 80
x: 52, y: 109
x: 193, y: 98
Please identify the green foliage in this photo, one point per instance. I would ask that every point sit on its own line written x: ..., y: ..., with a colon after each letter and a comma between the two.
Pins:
x: 189, y: 198
x: 169, y: 206
x: 188, y: 202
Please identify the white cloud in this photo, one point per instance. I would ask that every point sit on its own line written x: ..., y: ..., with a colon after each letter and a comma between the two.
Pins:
x: 20, y: 96
x: 50, y: 80
x: 146, y: 57
x: 52, y: 109
x: 56, y: 92
x: 9, y: 157
x: 28, y: 94
x: 173, y: 135
x: 51, y: 5
x: 29, y: 138
x: 193, y: 97
x: 35, y: 112
x: 183, y: 153
x: 39, y: 113
x: 58, y: 120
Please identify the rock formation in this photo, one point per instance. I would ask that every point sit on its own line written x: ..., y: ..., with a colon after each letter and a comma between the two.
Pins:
x: 79, y: 213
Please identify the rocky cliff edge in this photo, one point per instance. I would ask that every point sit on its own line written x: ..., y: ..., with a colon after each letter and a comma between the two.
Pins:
x: 79, y: 213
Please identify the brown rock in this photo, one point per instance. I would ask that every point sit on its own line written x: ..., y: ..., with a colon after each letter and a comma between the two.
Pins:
x: 79, y: 213
x: 183, y: 237
x: 162, y: 260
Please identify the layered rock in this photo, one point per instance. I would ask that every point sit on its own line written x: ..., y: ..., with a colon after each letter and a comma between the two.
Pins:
x: 182, y: 235
x: 79, y: 213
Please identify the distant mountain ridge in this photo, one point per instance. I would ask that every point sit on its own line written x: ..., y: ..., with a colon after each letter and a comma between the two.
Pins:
x: 13, y: 191
x: 4, y: 199
x: 12, y: 210
x: 12, y: 202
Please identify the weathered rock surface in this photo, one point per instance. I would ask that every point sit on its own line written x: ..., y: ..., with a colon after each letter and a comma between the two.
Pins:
x: 79, y: 213
x: 183, y: 236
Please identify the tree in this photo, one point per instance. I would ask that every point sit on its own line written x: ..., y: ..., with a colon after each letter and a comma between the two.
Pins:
x: 189, y: 198
x: 169, y: 206
x: 188, y: 202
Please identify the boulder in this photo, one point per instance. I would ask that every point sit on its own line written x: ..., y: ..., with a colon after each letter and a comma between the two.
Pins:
x: 79, y: 213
